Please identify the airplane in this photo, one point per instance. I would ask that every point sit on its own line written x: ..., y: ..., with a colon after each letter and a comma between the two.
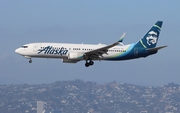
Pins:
x: 73, y: 53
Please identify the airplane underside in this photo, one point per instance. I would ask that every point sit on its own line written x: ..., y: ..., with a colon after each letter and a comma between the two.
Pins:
x: 88, y: 61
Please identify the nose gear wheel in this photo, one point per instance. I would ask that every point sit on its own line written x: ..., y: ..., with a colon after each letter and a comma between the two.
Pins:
x: 30, y: 61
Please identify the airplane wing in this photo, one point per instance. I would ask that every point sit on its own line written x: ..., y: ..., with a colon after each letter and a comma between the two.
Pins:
x: 97, y: 53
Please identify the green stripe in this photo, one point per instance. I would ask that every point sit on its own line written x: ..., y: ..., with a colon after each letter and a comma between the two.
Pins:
x: 143, y: 44
x: 157, y: 26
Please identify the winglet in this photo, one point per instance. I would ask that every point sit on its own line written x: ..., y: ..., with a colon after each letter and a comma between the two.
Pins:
x: 121, y: 39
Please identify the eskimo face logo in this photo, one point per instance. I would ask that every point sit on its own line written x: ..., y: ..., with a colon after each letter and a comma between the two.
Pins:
x: 151, y: 38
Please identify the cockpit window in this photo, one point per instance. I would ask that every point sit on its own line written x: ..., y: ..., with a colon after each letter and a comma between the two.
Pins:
x: 24, y: 46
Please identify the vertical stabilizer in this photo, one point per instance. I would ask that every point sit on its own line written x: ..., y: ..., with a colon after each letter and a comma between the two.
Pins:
x: 151, y: 37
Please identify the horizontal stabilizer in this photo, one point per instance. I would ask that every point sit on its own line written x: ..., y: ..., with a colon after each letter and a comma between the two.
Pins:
x: 156, y: 48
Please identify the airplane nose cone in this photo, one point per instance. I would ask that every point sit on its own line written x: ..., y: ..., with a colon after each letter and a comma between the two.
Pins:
x: 17, y: 51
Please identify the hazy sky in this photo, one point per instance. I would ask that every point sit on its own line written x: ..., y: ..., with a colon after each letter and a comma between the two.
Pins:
x: 88, y: 21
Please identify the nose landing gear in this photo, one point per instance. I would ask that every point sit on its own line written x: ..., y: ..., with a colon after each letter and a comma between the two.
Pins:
x: 30, y: 61
x: 90, y: 63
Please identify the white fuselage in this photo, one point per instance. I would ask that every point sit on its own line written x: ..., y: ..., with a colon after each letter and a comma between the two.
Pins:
x: 62, y: 50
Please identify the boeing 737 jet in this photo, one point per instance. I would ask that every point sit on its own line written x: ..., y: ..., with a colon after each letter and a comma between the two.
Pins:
x: 73, y: 53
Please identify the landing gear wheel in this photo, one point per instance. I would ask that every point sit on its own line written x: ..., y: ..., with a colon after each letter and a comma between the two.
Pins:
x: 91, y: 63
x: 30, y: 61
x: 87, y: 64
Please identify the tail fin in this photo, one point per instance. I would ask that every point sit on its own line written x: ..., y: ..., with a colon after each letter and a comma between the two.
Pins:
x: 151, y: 37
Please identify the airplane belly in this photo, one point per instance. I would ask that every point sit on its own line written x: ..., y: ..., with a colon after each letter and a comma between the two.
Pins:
x: 48, y: 56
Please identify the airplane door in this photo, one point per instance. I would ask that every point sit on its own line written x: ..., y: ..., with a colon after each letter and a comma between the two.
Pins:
x: 35, y: 49
x: 136, y: 52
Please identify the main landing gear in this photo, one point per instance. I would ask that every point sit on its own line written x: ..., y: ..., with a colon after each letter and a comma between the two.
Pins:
x: 90, y: 63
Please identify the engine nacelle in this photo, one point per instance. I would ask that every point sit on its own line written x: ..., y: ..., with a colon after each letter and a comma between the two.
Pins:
x: 75, y: 56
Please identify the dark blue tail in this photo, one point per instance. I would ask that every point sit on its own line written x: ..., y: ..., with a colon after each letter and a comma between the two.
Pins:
x: 151, y: 37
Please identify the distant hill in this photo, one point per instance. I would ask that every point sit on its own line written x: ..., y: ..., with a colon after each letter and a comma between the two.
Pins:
x: 90, y: 97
